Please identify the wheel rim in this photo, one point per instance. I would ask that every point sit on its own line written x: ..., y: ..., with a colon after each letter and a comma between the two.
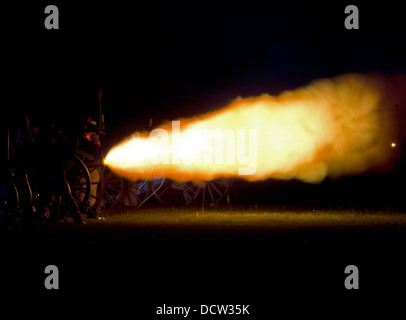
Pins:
x: 209, y: 191
x: 95, y: 168
x: 79, y: 181
x: 138, y: 191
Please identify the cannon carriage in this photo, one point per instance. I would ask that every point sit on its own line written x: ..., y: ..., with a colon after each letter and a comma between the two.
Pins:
x: 93, y: 185
x: 108, y: 190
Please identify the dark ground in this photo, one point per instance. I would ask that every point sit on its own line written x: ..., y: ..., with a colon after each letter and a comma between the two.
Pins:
x: 276, y: 260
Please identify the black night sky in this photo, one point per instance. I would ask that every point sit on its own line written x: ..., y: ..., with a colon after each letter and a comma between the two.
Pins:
x: 164, y: 60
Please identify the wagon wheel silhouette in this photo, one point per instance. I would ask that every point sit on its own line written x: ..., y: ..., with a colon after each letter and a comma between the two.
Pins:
x: 172, y: 192
x: 211, y: 191
x: 113, y: 188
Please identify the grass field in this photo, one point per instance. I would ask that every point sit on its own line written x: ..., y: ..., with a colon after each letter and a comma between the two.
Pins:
x: 275, y: 259
x: 187, y: 228
x: 251, y: 218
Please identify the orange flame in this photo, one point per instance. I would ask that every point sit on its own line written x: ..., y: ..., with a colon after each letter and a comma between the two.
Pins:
x: 332, y: 127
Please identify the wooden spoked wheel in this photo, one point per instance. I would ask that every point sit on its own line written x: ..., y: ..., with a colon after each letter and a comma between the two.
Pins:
x: 138, y: 191
x: 113, y: 188
x: 79, y: 180
x: 211, y: 191
x: 173, y: 192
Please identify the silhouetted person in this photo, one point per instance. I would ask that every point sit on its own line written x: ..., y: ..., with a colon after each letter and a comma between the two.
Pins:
x: 19, y: 147
x: 89, y: 148
x: 53, y: 153
x: 89, y: 140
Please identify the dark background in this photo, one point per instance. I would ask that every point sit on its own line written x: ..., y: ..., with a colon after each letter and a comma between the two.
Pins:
x: 163, y: 60
x: 166, y: 59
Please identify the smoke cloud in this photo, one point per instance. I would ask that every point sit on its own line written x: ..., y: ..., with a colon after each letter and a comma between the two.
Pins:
x: 330, y: 128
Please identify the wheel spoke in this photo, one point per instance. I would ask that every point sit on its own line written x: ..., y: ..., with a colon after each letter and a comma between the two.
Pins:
x: 190, y: 187
x: 217, y: 190
x: 109, y: 196
x: 117, y: 189
x: 78, y: 188
x: 209, y: 190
